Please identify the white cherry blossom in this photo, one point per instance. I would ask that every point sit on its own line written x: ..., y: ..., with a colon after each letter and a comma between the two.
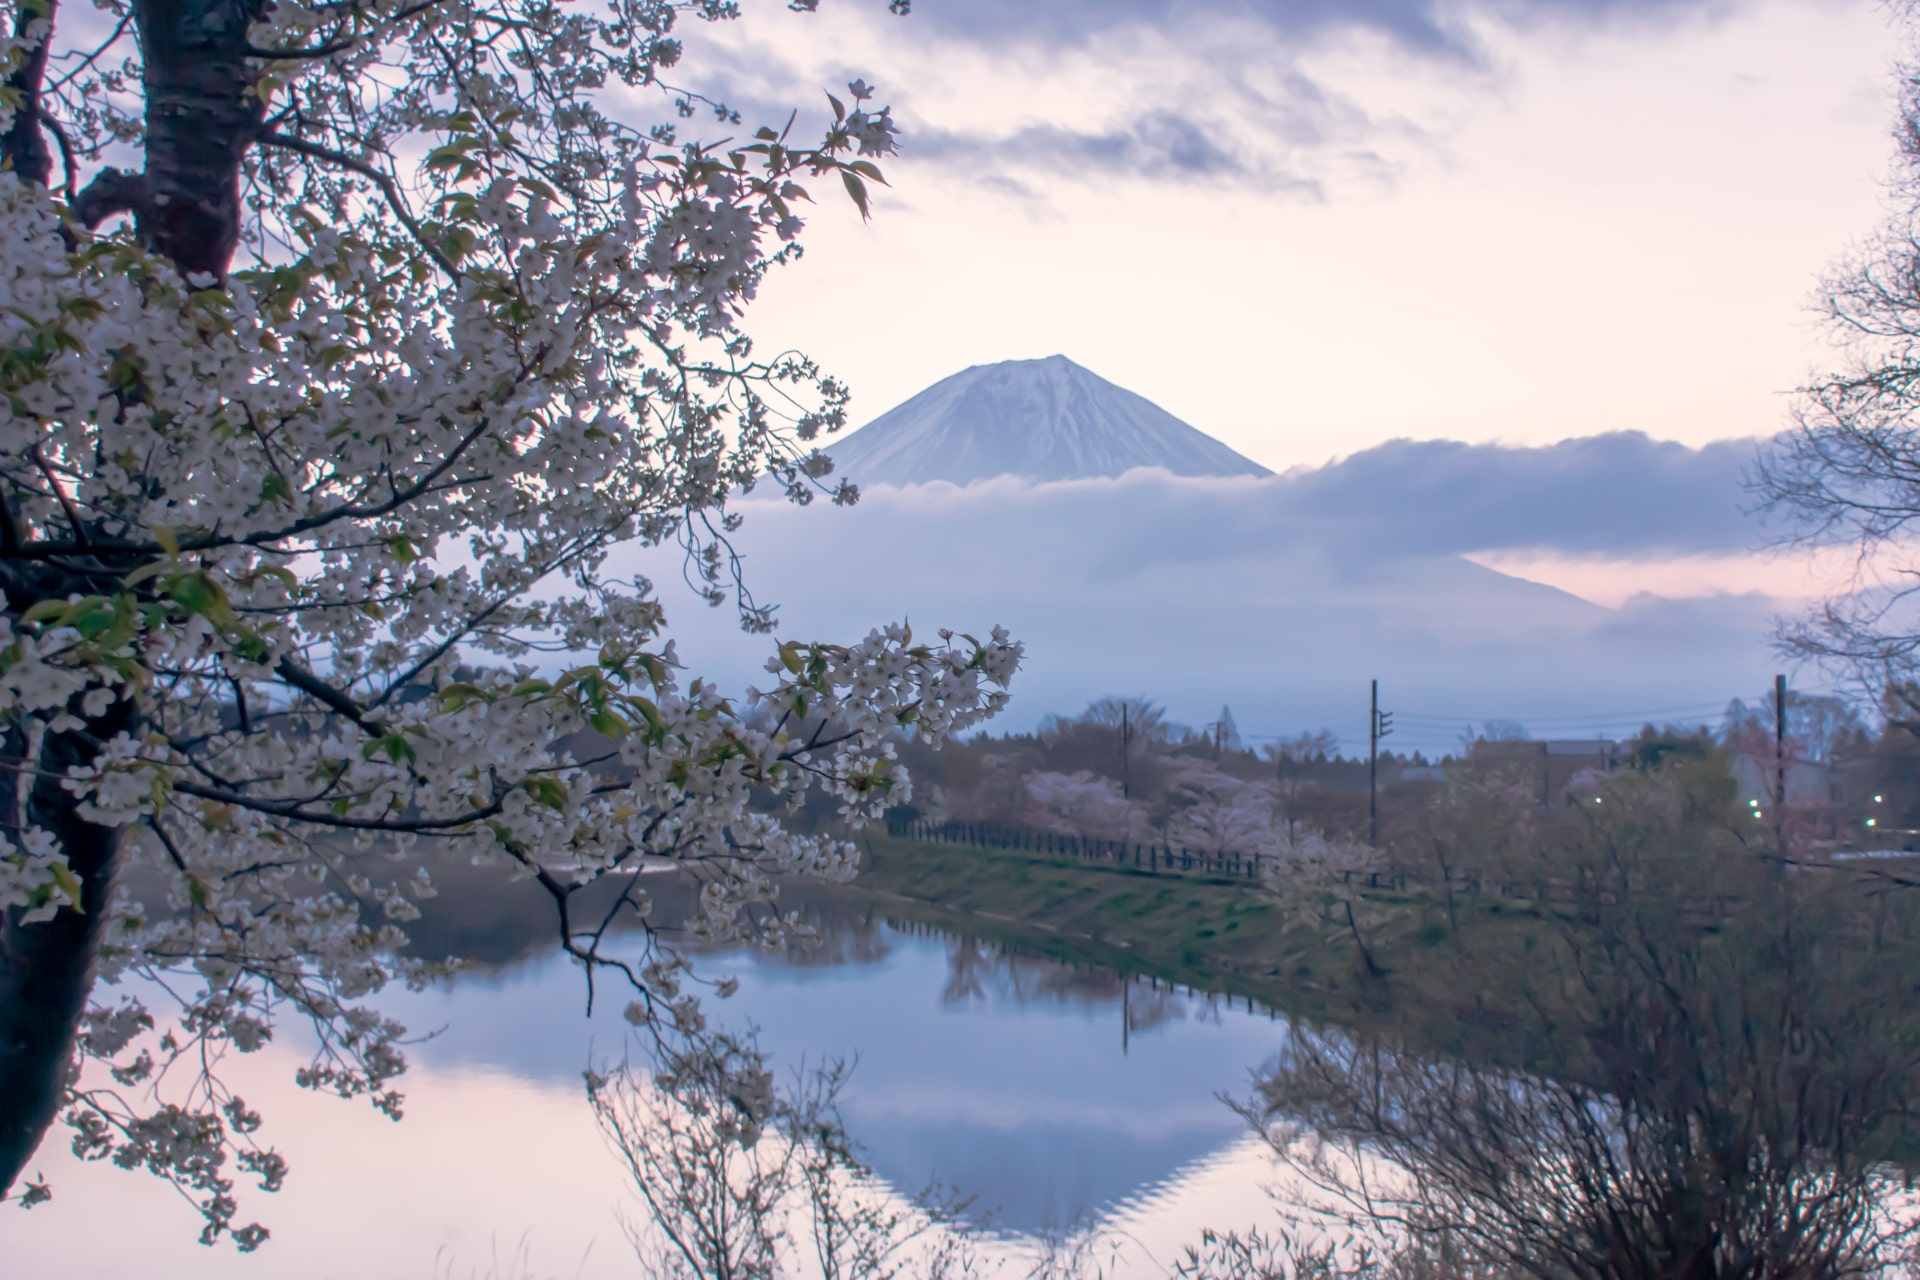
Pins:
x: 308, y: 483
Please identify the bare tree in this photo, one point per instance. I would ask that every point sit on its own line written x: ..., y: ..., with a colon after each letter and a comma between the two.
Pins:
x: 1319, y: 882
x: 1847, y: 473
x: 1302, y: 748
x: 1146, y: 721
x: 1703, y: 1070
x: 746, y: 1180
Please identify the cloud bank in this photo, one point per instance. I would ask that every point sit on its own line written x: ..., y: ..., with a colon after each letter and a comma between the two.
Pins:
x: 1617, y: 495
x: 1420, y: 25
x: 1284, y: 596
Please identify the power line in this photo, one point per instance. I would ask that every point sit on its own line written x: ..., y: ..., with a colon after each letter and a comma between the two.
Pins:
x: 1614, y: 716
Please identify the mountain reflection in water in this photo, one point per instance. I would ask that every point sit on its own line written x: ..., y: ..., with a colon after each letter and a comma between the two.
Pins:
x: 1056, y: 1097
x: 1045, y: 1091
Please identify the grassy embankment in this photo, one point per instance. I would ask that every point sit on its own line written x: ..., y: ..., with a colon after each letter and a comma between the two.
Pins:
x: 1219, y: 933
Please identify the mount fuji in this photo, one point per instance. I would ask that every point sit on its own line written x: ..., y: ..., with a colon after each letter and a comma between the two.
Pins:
x: 1134, y: 554
x: 1037, y: 419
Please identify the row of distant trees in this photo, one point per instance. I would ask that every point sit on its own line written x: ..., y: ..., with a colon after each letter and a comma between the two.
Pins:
x: 1687, y: 1066
x: 1122, y: 770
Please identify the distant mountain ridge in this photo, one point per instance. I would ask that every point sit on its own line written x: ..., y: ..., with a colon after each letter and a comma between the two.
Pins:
x: 1045, y: 419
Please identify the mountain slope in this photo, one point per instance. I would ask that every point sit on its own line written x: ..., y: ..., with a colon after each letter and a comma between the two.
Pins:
x: 1040, y: 419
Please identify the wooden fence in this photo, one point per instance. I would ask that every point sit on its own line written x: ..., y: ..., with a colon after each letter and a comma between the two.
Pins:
x: 1154, y: 859
x: 1180, y: 861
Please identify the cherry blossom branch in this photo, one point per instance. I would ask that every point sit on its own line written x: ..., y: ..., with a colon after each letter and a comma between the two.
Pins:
x: 388, y: 188
x: 321, y: 818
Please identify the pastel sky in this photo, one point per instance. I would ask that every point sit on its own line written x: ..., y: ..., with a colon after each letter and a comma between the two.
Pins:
x: 1307, y: 226
x: 1521, y: 281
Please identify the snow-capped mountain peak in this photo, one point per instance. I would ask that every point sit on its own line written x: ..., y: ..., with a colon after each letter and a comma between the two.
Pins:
x: 1040, y: 419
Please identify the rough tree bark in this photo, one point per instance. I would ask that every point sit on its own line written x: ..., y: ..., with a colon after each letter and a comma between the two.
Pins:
x: 46, y: 967
x: 25, y: 143
x: 200, y: 121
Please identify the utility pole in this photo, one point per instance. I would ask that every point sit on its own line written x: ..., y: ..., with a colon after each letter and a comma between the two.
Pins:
x: 1780, y: 762
x: 1126, y: 755
x: 1379, y: 725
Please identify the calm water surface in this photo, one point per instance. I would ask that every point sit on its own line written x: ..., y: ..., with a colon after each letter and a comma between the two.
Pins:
x: 1060, y: 1098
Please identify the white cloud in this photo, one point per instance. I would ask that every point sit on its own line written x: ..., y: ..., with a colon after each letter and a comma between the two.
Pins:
x: 1200, y: 592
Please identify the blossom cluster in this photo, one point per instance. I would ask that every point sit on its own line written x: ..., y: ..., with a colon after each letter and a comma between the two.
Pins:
x: 309, y: 560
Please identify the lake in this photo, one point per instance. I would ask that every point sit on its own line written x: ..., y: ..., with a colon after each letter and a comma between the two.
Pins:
x: 1060, y: 1098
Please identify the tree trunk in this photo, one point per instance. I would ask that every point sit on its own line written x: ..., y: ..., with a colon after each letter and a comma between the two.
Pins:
x: 1446, y: 880
x: 200, y: 122
x: 23, y: 148
x: 1366, y: 953
x: 46, y: 968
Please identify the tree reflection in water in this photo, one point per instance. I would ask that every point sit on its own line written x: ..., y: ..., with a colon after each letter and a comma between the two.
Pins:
x: 1700, y: 1067
x: 746, y: 1179
x: 978, y: 970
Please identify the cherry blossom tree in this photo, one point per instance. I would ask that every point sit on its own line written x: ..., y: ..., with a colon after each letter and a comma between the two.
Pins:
x: 1084, y: 804
x: 1211, y: 810
x: 1318, y: 882
x: 343, y: 340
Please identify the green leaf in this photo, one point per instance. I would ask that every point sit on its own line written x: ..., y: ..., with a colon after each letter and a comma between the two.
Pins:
x: 89, y: 616
x: 251, y: 648
x: 68, y: 883
x: 151, y: 569
x: 547, y: 791
x: 460, y: 694
x: 656, y: 723
x: 165, y: 537
x: 281, y: 574
x: 198, y: 593
x: 126, y: 622
x: 858, y: 190
x: 393, y: 745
